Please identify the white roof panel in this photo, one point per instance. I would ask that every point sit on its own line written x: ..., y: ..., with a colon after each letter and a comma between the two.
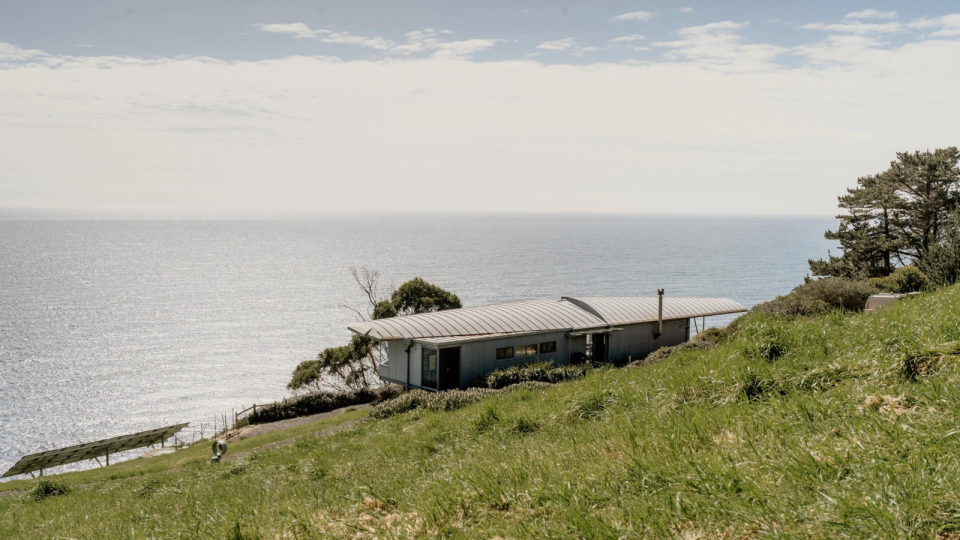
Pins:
x: 532, y: 316
x: 639, y: 309
x: 510, y: 318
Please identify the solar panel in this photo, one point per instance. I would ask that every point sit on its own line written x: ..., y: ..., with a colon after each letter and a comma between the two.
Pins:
x: 91, y: 450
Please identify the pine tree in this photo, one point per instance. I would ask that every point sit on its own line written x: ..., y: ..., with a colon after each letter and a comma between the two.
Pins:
x: 893, y: 218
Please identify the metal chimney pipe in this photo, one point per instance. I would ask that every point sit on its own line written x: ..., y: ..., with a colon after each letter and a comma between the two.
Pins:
x: 659, y: 313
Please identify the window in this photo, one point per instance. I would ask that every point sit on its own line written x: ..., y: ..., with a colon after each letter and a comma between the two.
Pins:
x: 549, y: 347
x: 384, y: 353
x: 527, y: 350
x: 428, y: 377
x: 506, y: 352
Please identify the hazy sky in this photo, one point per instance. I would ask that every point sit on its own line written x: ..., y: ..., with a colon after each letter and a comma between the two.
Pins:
x: 695, y: 107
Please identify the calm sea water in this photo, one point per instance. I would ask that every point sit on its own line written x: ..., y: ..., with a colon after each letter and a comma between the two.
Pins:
x: 109, y: 326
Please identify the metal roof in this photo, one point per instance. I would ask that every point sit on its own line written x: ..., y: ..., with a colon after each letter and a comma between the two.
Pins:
x: 638, y: 309
x: 534, y: 316
x: 510, y: 318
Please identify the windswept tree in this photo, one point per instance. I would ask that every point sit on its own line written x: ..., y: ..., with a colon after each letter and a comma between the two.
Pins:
x: 354, y: 366
x: 418, y: 296
x: 894, y: 218
x: 941, y: 263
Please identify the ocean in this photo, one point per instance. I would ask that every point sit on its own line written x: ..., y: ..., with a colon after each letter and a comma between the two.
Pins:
x: 114, y: 323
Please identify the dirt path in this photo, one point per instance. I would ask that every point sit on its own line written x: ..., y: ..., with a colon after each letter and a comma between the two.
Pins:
x: 260, y: 429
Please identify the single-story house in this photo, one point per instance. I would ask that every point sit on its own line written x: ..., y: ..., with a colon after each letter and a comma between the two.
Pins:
x: 448, y: 349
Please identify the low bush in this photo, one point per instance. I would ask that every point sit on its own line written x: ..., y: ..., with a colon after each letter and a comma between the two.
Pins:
x: 816, y: 296
x: 928, y: 361
x: 903, y: 280
x: 48, y: 488
x: 711, y: 335
x: 432, y: 401
x: 534, y: 372
x: 320, y: 402
x: 766, y: 339
x: 665, y: 352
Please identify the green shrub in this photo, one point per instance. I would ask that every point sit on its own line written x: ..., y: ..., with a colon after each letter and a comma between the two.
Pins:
x: 941, y: 263
x: 320, y: 402
x: 816, y: 296
x: 902, y: 280
x: 534, y: 371
x: 486, y: 420
x: 711, y: 335
x: 48, y: 488
x: 753, y: 387
x: 765, y: 339
x: 665, y: 352
x: 591, y: 406
x: 445, y: 401
x: 431, y: 401
x: 524, y: 426
x: 927, y: 361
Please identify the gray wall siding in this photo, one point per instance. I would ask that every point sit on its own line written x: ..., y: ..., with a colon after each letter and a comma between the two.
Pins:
x: 478, y: 358
x: 636, y: 340
x: 396, y: 367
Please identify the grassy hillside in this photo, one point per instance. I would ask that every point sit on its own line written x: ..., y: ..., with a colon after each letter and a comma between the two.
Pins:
x: 838, y: 426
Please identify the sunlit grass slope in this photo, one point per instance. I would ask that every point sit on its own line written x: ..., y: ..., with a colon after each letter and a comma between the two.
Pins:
x: 840, y: 426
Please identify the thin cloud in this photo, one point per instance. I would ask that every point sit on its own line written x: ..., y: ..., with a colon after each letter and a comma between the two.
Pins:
x: 872, y: 14
x: 856, y: 27
x: 686, y: 10
x: 566, y: 45
x: 718, y: 46
x: 949, y: 25
x: 418, y: 41
x: 298, y: 30
x: 634, y: 16
x: 628, y: 39
x: 558, y: 44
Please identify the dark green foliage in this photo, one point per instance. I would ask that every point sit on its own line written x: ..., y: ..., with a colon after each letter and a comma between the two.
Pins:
x: 534, y: 371
x: 942, y: 263
x: 816, y: 296
x: 928, y: 361
x: 665, y: 352
x: 711, y: 335
x: 418, y: 296
x: 902, y: 280
x: 488, y: 418
x: 591, y: 406
x: 766, y: 340
x: 320, y: 402
x: 431, y: 401
x: 754, y: 387
x: 894, y: 218
x: 524, y: 426
x: 48, y: 488
x: 346, y: 363
x: 384, y: 310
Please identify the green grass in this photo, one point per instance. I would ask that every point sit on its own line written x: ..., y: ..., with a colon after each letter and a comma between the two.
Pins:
x: 771, y: 434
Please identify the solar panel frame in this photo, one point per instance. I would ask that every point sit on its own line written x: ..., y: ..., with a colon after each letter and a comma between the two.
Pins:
x: 91, y: 450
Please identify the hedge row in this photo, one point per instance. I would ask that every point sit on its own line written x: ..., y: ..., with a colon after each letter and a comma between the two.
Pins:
x: 443, y: 401
x: 534, y: 371
x: 320, y: 402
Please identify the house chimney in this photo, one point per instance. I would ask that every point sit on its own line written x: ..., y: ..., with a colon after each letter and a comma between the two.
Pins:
x: 659, y: 314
